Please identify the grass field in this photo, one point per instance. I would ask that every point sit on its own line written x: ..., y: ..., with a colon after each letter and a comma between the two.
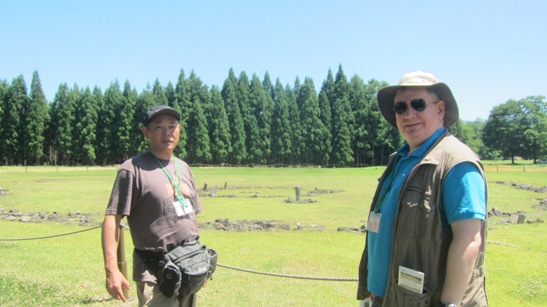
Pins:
x: 68, y: 270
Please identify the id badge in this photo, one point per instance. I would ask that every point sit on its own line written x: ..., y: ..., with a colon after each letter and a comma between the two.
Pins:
x: 178, y: 209
x: 374, y: 220
x: 187, y: 208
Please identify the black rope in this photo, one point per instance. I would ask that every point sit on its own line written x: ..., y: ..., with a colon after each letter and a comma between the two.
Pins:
x: 51, y: 236
x: 286, y: 275
x: 220, y: 265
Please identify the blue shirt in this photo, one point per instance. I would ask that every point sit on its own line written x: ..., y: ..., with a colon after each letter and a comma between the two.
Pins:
x: 464, y: 197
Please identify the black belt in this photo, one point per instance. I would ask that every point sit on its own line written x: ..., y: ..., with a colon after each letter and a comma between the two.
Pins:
x: 150, y: 254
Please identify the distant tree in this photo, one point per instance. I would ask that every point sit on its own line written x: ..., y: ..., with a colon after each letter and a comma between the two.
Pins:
x: 250, y: 122
x: 160, y: 96
x: 198, y: 146
x: 34, y: 123
x: 50, y: 134
x: 172, y: 101
x: 110, y: 126
x: 268, y: 86
x: 459, y: 130
x: 535, y: 112
x: 15, y: 100
x: 145, y: 101
x: 505, y: 130
x: 470, y: 134
x: 128, y: 128
x: 86, y: 114
x: 379, y: 133
x: 314, y: 132
x: 265, y: 119
x: 297, y: 139
x: 4, y: 88
x: 65, y: 101
x: 281, y: 126
x: 360, y: 108
x: 219, y: 128
x: 182, y: 103
x: 74, y: 98
x: 326, y: 93
x: 98, y: 103
x: 198, y: 90
x: 229, y: 94
x: 269, y: 89
x: 170, y: 94
x: 475, y: 140
x: 343, y: 122
x: 261, y: 105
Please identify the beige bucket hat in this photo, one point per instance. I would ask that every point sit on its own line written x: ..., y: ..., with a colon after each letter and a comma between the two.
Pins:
x: 387, y: 94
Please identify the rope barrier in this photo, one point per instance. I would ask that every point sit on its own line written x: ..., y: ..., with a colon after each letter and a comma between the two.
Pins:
x: 286, y: 275
x: 51, y: 236
x: 218, y: 264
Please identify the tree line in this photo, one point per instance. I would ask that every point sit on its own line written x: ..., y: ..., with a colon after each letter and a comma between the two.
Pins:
x: 246, y: 121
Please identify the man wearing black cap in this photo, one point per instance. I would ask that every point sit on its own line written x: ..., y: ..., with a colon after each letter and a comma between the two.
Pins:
x: 427, y: 222
x: 157, y: 193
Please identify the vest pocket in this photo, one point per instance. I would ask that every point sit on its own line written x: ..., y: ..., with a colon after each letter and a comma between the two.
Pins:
x: 417, y: 209
x: 415, y: 197
x: 404, y: 297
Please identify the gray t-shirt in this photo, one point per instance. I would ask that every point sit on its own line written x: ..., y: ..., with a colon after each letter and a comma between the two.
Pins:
x: 143, y: 192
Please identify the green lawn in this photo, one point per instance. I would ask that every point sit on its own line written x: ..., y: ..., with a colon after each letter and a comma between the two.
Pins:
x: 68, y: 270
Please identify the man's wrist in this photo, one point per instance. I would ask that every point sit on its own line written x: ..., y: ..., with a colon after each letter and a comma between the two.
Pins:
x: 111, y: 269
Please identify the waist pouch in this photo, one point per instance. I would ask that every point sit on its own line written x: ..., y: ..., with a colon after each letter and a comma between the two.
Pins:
x: 185, y: 269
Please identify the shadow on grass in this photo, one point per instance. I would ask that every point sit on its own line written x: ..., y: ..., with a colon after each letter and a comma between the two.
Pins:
x: 131, y: 301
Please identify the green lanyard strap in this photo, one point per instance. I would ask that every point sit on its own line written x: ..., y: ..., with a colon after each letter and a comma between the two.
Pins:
x: 178, y: 192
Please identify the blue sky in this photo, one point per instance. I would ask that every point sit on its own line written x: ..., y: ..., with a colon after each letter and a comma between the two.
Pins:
x: 487, y: 51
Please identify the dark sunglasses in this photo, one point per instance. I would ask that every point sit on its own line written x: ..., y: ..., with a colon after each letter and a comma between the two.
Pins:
x: 417, y: 104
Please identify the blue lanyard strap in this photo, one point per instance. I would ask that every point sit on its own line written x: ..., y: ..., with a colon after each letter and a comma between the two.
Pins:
x: 178, y: 192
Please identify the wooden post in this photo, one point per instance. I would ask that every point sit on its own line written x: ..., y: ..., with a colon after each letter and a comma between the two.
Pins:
x: 297, y: 190
x: 122, y: 263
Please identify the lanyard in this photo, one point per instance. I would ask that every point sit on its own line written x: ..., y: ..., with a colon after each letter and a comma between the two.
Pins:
x: 178, y: 192
x: 392, y: 177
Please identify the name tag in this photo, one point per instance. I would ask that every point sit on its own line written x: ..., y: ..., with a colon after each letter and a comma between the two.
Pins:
x: 178, y: 209
x: 187, y: 208
x: 374, y: 220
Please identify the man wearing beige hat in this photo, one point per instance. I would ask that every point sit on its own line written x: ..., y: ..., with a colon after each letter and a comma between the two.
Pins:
x: 427, y: 222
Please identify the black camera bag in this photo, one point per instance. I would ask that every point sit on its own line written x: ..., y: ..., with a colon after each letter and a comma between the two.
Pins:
x: 185, y: 269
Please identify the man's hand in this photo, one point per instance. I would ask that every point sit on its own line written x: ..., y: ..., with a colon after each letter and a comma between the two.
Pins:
x: 114, y: 278
x: 114, y: 283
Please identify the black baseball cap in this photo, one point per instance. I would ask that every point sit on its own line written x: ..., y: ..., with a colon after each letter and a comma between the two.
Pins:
x: 160, y: 110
